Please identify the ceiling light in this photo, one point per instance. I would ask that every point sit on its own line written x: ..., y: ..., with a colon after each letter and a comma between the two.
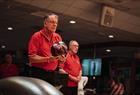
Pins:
x: 72, y: 21
x: 111, y: 36
x: 3, y: 46
x: 10, y: 28
x: 108, y: 50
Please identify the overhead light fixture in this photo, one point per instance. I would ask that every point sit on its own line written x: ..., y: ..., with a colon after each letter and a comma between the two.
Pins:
x: 111, y: 36
x: 72, y: 21
x: 10, y: 28
x: 3, y: 46
x: 108, y: 50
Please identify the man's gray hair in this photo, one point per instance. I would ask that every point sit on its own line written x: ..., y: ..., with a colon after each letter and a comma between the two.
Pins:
x: 71, y: 42
x: 50, y: 14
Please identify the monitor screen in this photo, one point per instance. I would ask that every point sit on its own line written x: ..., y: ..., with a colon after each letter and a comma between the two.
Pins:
x: 91, y: 67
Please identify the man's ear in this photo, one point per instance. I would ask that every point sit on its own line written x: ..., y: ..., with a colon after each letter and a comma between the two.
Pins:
x: 44, y: 23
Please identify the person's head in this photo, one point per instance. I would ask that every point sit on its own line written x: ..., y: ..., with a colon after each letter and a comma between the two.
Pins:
x: 50, y: 22
x: 8, y: 58
x: 73, y: 46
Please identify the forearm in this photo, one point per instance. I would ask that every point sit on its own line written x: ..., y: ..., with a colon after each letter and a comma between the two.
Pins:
x: 73, y: 78
x: 38, y: 59
x: 80, y: 75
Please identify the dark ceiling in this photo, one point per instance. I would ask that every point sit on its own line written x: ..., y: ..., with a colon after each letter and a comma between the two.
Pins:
x: 26, y: 17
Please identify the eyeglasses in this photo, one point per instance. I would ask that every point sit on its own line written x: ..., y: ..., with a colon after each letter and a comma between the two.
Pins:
x: 52, y: 22
x: 75, y: 45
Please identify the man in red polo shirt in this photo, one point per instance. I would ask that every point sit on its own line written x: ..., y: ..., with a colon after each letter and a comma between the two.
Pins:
x: 39, y: 50
x: 73, y: 68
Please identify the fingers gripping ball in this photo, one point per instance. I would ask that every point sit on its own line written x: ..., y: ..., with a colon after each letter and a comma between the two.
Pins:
x: 59, y: 48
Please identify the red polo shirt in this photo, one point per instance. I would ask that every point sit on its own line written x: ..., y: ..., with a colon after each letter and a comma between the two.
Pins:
x: 40, y: 45
x: 72, y: 66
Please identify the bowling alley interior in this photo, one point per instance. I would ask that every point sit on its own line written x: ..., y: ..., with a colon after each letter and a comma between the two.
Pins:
x: 108, y: 37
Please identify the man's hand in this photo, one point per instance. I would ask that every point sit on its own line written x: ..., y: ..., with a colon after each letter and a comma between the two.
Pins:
x: 79, y: 78
x: 73, y: 78
x: 52, y: 58
x: 62, y: 71
x: 61, y: 58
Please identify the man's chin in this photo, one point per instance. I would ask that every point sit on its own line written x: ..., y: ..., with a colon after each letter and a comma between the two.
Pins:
x: 53, y: 31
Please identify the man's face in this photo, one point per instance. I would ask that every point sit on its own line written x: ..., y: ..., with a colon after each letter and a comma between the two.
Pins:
x: 51, y: 23
x: 74, y: 47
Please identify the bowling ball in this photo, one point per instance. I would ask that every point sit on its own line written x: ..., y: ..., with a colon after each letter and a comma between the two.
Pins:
x: 59, y: 48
